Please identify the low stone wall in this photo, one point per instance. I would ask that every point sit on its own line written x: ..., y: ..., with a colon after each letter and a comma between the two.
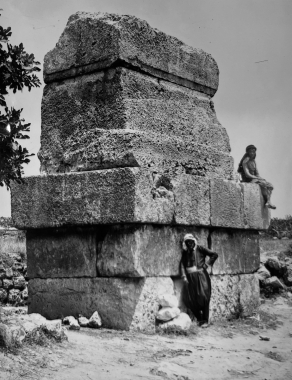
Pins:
x: 13, y: 267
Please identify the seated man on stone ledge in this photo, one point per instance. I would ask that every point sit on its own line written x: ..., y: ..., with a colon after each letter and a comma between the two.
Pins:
x: 249, y: 173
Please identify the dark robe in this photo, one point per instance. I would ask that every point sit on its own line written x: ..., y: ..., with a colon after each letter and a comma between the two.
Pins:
x: 198, y: 290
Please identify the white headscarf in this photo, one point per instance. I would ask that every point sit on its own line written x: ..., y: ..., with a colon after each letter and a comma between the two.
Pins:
x: 189, y: 237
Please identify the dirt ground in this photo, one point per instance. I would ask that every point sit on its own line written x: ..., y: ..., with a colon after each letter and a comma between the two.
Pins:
x: 225, y: 350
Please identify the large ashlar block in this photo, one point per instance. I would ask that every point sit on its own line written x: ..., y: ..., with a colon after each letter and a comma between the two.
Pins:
x: 238, y: 251
x: 234, y: 294
x: 256, y: 215
x: 138, y: 251
x: 238, y: 205
x: 61, y: 252
x: 94, y: 41
x: 124, y: 195
x: 121, y: 118
x: 127, y: 195
x: 226, y: 204
x: 126, y: 304
x: 230, y: 295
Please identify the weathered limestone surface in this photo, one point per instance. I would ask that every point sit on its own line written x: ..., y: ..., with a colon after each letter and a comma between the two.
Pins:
x: 125, y: 195
x: 226, y: 204
x: 121, y: 118
x: 62, y: 252
x: 237, y: 205
x: 137, y: 251
x: 129, y: 195
x: 230, y: 295
x: 93, y: 41
x: 238, y: 251
x: 127, y: 304
x: 255, y: 214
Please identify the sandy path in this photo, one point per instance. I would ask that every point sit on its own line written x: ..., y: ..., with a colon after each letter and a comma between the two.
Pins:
x: 228, y: 350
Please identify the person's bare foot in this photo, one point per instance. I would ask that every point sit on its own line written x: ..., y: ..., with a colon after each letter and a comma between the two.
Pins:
x: 269, y: 205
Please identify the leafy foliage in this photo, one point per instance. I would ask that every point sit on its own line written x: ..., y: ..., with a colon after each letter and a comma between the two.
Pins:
x: 17, y: 69
x: 281, y: 227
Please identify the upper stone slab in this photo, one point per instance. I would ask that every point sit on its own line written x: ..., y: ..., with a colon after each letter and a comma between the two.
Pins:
x: 94, y: 41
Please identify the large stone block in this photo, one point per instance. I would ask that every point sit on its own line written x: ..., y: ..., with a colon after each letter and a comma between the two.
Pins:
x: 126, y: 195
x: 138, y: 251
x: 237, y: 295
x: 238, y: 205
x: 94, y: 41
x: 116, y: 148
x: 121, y: 118
x: 256, y: 215
x: 238, y: 251
x: 97, y: 197
x: 126, y: 304
x: 231, y: 295
x: 62, y: 252
x: 226, y: 204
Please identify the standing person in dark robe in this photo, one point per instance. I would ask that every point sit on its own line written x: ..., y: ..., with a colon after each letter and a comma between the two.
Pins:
x: 249, y: 173
x: 195, y: 273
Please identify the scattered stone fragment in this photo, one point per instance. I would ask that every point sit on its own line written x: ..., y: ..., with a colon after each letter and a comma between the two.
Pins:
x: 72, y: 322
x: 262, y: 337
x: 167, y: 313
x: 168, y: 300
x: 180, y: 323
x: 24, y: 294
x: 11, y: 336
x: 274, y: 282
x: 55, y: 330
x: 275, y: 267
x: 9, y: 273
x: 263, y: 273
x: 14, y: 296
x: 83, y: 321
x: 3, y: 295
x: 19, y: 282
x: 95, y: 320
x: 7, y: 284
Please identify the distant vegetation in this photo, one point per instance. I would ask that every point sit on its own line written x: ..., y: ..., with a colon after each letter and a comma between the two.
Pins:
x: 5, y: 222
x: 281, y: 227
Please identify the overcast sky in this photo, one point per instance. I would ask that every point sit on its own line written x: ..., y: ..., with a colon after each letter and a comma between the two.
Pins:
x: 253, y: 102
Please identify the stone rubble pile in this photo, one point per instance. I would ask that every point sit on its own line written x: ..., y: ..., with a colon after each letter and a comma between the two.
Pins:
x: 171, y: 315
x: 74, y: 324
x: 275, y: 271
x: 133, y: 157
x: 13, y: 267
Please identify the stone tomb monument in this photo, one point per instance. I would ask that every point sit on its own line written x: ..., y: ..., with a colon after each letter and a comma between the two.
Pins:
x: 132, y: 158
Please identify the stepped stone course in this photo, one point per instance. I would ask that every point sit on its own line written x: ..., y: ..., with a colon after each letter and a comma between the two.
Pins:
x: 133, y: 157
